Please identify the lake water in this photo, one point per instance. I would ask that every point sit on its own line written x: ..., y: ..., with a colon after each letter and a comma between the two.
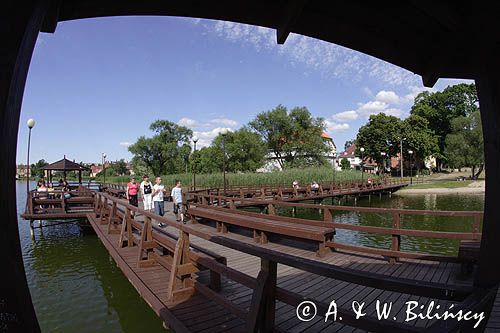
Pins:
x: 76, y: 286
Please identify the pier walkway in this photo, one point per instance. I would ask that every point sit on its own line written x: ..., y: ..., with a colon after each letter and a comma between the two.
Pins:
x: 225, y: 280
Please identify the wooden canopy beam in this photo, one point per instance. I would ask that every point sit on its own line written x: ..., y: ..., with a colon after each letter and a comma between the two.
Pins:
x: 292, y: 13
x: 20, y: 24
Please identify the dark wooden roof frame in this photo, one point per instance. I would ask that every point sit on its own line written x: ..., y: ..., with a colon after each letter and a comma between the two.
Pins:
x: 432, y: 39
x: 65, y: 165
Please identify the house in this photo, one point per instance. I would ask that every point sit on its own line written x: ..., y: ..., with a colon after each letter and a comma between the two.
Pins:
x: 350, y: 154
x: 273, y: 163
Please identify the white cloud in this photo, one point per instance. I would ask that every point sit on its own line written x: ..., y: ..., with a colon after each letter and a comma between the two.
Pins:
x: 345, y: 116
x: 224, y: 121
x: 371, y: 107
x: 329, y: 59
x: 188, y: 122
x: 393, y: 112
x: 125, y: 144
x: 332, y: 126
x: 205, y: 137
x: 389, y: 97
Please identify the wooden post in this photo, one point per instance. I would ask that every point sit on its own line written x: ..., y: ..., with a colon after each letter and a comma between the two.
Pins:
x: 476, y: 227
x: 181, y: 269
x: 263, y: 306
x: 327, y: 215
x: 146, y: 244
x: 271, y: 210
x: 488, y: 90
x: 396, y: 239
x: 112, y: 219
x: 126, y: 230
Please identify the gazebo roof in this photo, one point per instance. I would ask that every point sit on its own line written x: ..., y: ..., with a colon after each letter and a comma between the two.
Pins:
x: 65, y: 165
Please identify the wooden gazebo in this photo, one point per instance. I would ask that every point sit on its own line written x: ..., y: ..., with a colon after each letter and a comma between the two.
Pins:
x: 64, y: 165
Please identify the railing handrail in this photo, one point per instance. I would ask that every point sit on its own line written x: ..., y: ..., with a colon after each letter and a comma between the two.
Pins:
x: 400, y: 211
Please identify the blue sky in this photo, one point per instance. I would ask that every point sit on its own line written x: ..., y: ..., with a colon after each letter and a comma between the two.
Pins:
x: 95, y: 85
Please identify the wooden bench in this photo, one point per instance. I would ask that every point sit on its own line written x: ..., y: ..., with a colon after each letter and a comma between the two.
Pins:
x: 262, y: 225
x: 468, y: 253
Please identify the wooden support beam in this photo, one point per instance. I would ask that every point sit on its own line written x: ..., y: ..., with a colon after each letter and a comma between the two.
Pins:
x: 19, y: 28
x: 262, y: 308
x: 488, y: 90
x: 291, y: 13
x: 396, y: 237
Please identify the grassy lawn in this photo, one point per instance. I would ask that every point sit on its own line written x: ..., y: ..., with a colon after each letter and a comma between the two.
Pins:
x: 445, y: 184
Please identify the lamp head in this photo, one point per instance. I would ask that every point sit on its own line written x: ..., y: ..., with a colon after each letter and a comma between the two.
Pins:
x: 410, y: 152
x: 195, y: 139
x: 31, y: 123
x: 104, y: 155
x: 362, y: 149
x: 223, y: 131
x: 383, y: 153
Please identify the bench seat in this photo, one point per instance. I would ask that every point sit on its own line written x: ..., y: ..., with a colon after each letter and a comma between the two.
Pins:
x: 265, y: 225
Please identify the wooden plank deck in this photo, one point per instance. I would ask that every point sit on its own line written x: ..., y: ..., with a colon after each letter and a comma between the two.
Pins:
x: 200, y: 313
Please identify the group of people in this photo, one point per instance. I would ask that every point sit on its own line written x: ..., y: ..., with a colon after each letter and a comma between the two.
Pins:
x: 314, y: 185
x: 153, y: 196
x: 45, y: 191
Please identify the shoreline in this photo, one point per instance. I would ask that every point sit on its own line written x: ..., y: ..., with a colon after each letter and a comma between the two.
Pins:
x: 442, y: 190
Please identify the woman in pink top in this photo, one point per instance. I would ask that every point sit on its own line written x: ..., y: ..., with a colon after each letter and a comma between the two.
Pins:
x: 132, y: 189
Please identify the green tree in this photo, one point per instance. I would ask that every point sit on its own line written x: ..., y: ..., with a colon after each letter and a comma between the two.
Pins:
x: 440, y: 108
x: 245, y: 151
x: 464, y: 145
x: 120, y: 167
x: 294, y: 136
x: 36, y: 168
x: 419, y: 138
x: 345, y: 164
x: 164, y: 152
x: 381, y: 134
x: 207, y: 160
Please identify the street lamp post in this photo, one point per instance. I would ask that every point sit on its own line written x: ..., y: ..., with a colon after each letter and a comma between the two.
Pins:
x: 362, y: 150
x: 334, y: 157
x: 384, y: 162
x: 411, y: 166
x: 401, y: 155
x: 223, y: 132
x: 104, y: 167
x: 195, y: 140
x: 31, y: 124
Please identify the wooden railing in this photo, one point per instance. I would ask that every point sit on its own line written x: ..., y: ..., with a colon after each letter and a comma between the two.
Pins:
x: 288, y: 192
x: 182, y: 263
x: 327, y: 211
x: 56, y: 201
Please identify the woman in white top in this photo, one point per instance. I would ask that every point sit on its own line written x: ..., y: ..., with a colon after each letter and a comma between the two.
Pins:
x: 146, y: 193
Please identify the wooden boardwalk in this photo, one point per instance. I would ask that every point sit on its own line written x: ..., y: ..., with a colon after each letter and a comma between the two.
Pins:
x: 203, y: 311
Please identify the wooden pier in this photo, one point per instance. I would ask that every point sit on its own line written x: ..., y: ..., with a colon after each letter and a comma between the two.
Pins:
x: 209, y: 275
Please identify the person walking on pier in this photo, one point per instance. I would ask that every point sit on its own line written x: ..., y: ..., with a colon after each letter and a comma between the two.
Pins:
x: 177, y: 199
x: 146, y: 193
x: 158, y: 193
x: 131, y: 192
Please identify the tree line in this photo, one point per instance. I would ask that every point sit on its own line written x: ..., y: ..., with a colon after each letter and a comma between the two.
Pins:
x: 292, y: 137
x: 445, y: 125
